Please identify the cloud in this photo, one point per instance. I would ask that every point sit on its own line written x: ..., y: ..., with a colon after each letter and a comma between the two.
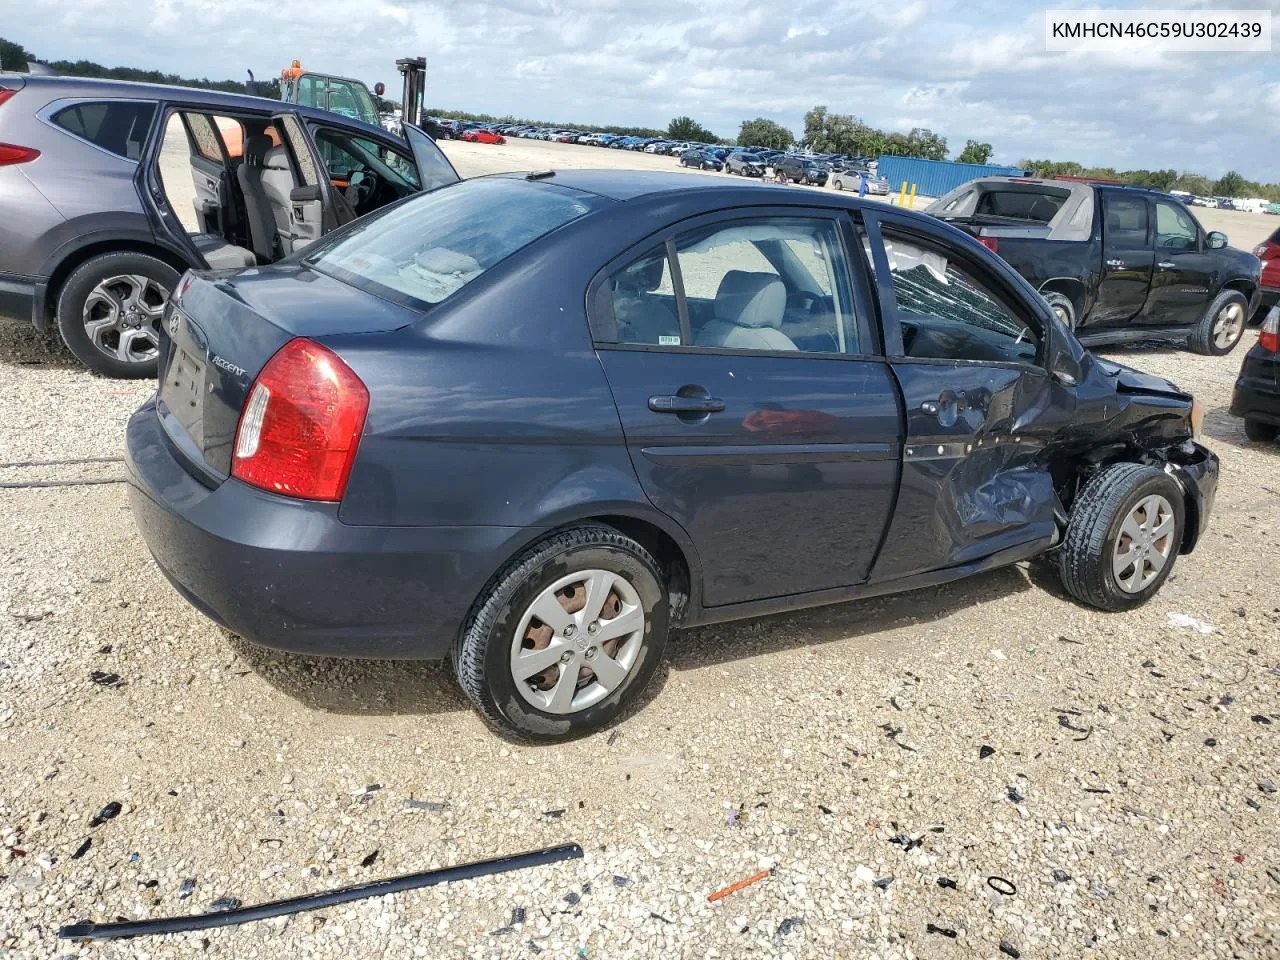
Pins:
x: 965, y: 70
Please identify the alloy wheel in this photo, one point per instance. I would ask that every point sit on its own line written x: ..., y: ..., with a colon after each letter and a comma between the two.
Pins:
x: 122, y: 317
x: 1145, y: 543
x: 1228, y: 326
x: 577, y: 641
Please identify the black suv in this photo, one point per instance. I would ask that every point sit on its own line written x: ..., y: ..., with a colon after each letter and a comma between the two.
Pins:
x: 800, y: 170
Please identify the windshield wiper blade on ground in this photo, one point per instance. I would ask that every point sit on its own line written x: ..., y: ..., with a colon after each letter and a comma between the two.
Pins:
x: 317, y: 901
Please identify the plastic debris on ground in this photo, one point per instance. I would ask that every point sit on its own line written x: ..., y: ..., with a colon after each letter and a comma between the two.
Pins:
x: 82, y: 849
x: 104, y: 679
x: 224, y: 903
x: 984, y: 751
x: 109, y: 812
x: 945, y: 931
x: 785, y: 927
x: 733, y: 887
x: 434, y: 806
x: 188, y: 887
x: 369, y: 860
x: 1190, y: 623
x: 947, y: 883
x: 1009, y: 949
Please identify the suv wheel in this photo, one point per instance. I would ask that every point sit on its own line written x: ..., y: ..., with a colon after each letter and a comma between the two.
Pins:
x: 1222, y: 325
x: 109, y: 312
x: 565, y: 636
x: 1061, y: 305
x: 1124, y: 535
x: 1261, y: 432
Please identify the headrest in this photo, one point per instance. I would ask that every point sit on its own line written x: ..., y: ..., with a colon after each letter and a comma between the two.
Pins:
x: 751, y: 299
x: 255, y: 148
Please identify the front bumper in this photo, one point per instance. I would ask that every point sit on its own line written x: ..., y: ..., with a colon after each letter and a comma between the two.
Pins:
x: 289, y: 574
x: 1195, y: 467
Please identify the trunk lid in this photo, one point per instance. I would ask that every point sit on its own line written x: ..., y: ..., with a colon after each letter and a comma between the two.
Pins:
x: 221, y: 331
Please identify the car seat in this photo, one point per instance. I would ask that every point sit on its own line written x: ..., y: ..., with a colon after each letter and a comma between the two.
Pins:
x: 641, y: 316
x: 262, y: 222
x: 748, y: 313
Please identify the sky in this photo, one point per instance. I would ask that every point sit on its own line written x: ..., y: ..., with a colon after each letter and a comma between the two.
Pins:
x: 964, y: 69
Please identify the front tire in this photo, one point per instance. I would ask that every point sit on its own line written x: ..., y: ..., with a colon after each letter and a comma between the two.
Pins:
x: 109, y: 312
x: 1123, y: 537
x: 1222, y: 325
x: 1261, y: 432
x: 565, y: 636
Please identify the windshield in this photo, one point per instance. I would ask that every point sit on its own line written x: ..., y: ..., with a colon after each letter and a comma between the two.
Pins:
x: 352, y: 100
x: 421, y: 251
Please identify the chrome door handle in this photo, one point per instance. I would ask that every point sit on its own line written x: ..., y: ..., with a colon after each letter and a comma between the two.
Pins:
x: 1166, y: 264
x: 1115, y: 263
x: 929, y: 407
x: 677, y: 404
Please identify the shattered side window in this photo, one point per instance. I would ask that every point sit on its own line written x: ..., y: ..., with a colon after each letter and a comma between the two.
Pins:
x: 301, y: 151
x: 946, y: 312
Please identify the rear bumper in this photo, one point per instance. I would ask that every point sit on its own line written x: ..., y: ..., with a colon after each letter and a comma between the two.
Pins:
x: 18, y: 297
x: 1268, y: 296
x: 288, y: 574
x: 1257, y: 392
x: 1196, y: 469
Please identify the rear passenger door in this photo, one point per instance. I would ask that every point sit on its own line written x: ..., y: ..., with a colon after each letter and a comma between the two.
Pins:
x: 1127, y: 256
x: 756, y: 411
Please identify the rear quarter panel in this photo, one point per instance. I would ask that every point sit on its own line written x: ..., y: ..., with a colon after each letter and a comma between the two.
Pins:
x: 493, y: 410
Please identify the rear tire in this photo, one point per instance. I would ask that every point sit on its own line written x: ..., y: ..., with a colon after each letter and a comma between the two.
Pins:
x: 109, y: 312
x: 1222, y: 325
x: 1061, y: 305
x: 504, y: 626
x: 1091, y: 560
x: 1261, y: 432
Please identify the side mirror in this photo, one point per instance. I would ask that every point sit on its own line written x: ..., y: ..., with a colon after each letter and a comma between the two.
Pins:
x: 303, y: 194
x: 1216, y: 240
x: 1063, y: 366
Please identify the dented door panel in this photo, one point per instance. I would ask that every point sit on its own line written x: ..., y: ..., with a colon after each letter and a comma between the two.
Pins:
x: 975, y: 477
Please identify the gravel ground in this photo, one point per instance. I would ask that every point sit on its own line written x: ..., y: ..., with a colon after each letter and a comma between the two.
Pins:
x: 1129, y: 799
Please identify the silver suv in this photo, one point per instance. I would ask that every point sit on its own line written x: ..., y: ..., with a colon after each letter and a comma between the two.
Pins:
x: 93, y: 238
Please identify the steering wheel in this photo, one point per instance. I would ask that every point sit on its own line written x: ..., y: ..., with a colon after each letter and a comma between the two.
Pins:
x: 363, y: 185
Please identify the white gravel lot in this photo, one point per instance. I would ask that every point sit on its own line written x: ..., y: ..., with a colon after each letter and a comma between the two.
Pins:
x: 1130, y: 798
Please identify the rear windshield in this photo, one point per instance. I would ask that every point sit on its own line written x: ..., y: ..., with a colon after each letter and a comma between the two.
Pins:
x: 421, y: 251
x: 1021, y: 205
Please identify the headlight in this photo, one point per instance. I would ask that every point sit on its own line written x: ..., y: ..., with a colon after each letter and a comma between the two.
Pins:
x: 1197, y: 418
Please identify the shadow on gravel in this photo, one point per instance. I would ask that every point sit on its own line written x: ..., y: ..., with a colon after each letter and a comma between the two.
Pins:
x: 22, y: 346
x: 708, y: 646
x: 411, y: 687
x: 1219, y: 424
x: 365, y: 687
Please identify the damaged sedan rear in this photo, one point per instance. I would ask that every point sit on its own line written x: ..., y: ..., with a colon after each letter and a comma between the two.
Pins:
x: 535, y: 423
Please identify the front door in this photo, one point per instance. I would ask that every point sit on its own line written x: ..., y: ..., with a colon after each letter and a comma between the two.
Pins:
x: 753, y: 412
x: 979, y: 406
x: 1127, y: 256
x: 1183, y: 273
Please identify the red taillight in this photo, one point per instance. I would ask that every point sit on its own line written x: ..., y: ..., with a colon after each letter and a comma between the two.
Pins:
x: 990, y: 243
x: 1269, y: 338
x: 1266, y: 250
x: 12, y: 153
x: 6, y: 94
x: 300, y: 428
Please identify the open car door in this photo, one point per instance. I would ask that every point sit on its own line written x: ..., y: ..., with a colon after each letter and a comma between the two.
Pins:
x: 434, y: 168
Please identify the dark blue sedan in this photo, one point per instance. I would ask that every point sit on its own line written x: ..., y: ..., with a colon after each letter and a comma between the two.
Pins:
x: 535, y: 422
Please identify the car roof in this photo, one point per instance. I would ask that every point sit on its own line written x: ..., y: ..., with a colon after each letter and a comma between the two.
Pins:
x: 67, y: 87
x: 698, y: 191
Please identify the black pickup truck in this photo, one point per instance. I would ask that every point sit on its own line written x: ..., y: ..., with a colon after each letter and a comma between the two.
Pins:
x: 1115, y: 263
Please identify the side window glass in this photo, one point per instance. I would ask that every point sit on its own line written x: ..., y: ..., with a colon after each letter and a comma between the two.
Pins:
x: 119, y: 126
x: 206, y: 140
x: 1175, y: 230
x: 775, y: 284
x: 947, y: 312
x: 1125, y: 219
x: 310, y: 91
x: 300, y: 150
x: 643, y: 302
